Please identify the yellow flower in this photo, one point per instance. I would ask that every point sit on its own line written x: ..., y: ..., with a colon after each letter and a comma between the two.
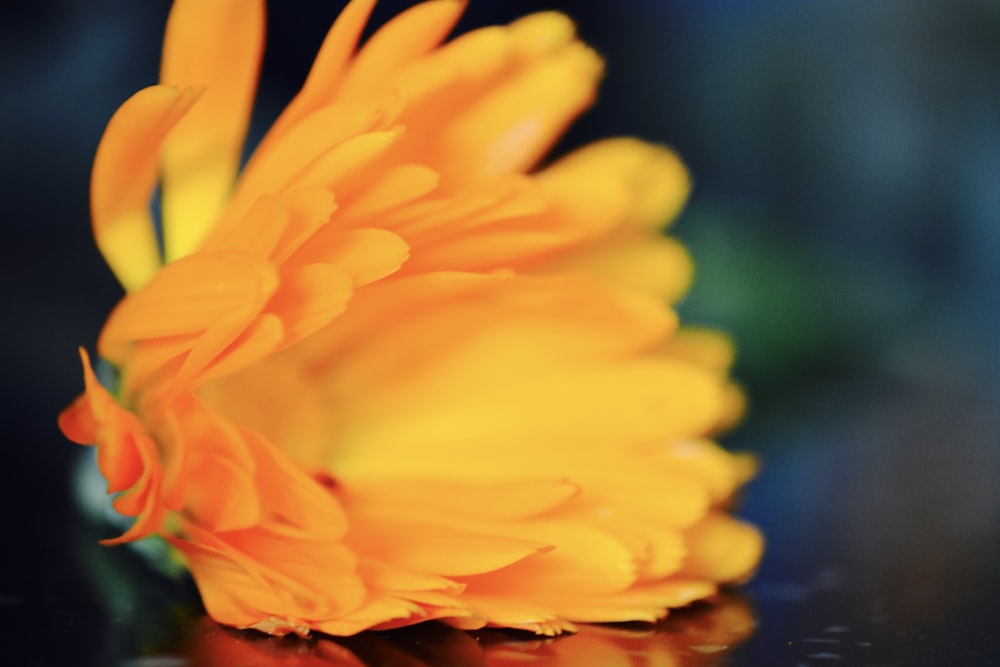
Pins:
x: 391, y: 370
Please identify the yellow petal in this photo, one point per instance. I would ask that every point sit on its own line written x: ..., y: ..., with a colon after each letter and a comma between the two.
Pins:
x: 722, y: 549
x: 514, y: 124
x: 448, y: 497
x: 706, y: 347
x: 655, y: 176
x: 511, y: 326
x: 701, y: 459
x: 216, y: 46
x: 651, y: 264
x: 124, y: 177
x: 533, y: 422
x: 540, y: 33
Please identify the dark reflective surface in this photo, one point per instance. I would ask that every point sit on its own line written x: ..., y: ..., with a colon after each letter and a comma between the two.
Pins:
x: 701, y: 636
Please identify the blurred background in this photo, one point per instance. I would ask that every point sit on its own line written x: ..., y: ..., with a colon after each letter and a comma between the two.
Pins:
x: 846, y: 227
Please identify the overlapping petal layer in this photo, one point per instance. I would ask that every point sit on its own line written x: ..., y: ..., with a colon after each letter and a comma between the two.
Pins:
x: 391, y: 370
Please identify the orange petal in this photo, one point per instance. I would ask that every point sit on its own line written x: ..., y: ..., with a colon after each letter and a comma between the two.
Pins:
x: 347, y: 161
x: 708, y: 348
x: 405, y: 38
x: 396, y: 186
x: 365, y: 255
x: 428, y: 546
x: 273, y: 169
x: 263, y: 336
x: 309, y: 297
x: 126, y: 455
x: 124, y: 177
x: 327, y: 69
x: 215, y: 46
x: 275, y: 225
x: 253, y: 576
x: 219, y: 490
x: 194, y: 294
x: 95, y: 419
x: 584, y: 560
x: 291, y: 494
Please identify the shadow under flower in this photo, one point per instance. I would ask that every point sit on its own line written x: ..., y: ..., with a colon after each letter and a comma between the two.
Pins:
x: 697, y: 636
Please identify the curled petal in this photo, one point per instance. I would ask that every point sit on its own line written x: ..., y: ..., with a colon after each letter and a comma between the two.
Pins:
x: 124, y: 176
x: 126, y: 455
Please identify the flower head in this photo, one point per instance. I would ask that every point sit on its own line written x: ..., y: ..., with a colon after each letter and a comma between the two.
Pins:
x: 391, y: 370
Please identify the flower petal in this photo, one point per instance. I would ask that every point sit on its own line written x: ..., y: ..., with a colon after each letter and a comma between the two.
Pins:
x: 584, y: 560
x: 722, y: 549
x: 124, y: 177
x: 309, y: 297
x: 654, y: 265
x: 216, y: 46
x: 514, y: 124
x: 405, y: 38
x: 126, y: 455
x: 520, y: 499
x: 273, y: 169
x: 429, y: 546
x: 655, y: 177
x: 365, y: 255
x: 327, y: 69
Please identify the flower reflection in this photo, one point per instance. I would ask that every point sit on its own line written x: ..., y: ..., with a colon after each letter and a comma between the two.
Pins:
x: 698, y: 636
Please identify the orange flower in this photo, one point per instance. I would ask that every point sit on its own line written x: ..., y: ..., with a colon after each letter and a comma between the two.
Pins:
x: 390, y: 371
